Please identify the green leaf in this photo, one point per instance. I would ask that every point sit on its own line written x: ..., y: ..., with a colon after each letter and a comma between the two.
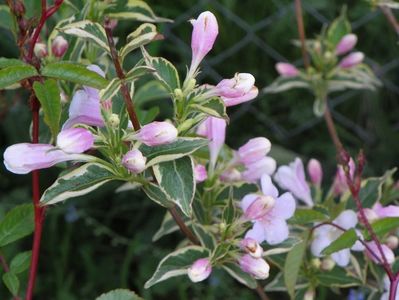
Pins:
x: 214, y: 107
x: 20, y: 262
x: 168, y: 226
x: 14, y: 74
x: 119, y: 294
x: 305, y: 216
x: 155, y: 193
x: 135, y: 10
x: 6, y: 21
x: 242, y: 277
x: 11, y: 62
x: 179, y: 148
x: 338, y: 28
x: 337, y: 277
x: 111, y: 89
x: 16, y: 224
x: 74, y: 72
x: 382, y: 226
x: 283, y: 247
x: 143, y: 35
x: 278, y: 285
x: 176, y: 264
x: 12, y: 282
x: 88, y: 30
x: 136, y: 73
x: 344, y: 241
x: 292, y: 266
x: 78, y: 182
x: 176, y: 179
x: 206, y: 238
x: 152, y: 90
x: 165, y: 71
x: 282, y: 84
x: 229, y: 212
x: 50, y: 100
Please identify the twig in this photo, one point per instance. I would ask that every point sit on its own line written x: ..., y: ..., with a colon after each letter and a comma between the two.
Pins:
x: 6, y: 269
x: 301, y: 32
x: 261, y: 293
x: 390, y: 18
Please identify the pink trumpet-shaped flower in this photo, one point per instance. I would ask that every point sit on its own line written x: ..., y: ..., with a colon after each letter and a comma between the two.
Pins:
x: 205, y: 31
x: 157, y: 133
x: 200, y: 173
x: 388, y: 253
x: 257, y: 267
x: 238, y: 89
x: 255, y: 170
x: 200, y: 270
x: 134, y: 161
x: 75, y: 140
x: 292, y: 178
x: 346, y: 44
x: 252, y: 247
x: 287, y: 70
x: 351, y: 60
x: 254, y: 150
x: 270, y: 223
x: 339, y: 184
x: 315, y: 171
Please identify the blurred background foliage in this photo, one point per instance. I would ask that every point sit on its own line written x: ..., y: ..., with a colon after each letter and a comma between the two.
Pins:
x: 102, y: 241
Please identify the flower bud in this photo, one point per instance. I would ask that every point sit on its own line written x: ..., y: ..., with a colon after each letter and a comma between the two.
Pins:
x: 200, y: 173
x: 40, y: 50
x: 316, y: 263
x: 255, y: 170
x: 392, y: 242
x: 388, y: 253
x: 346, y: 44
x: 75, y: 140
x: 260, y: 207
x: 309, y: 295
x: 157, y: 133
x: 230, y: 175
x: 252, y: 247
x: 327, y: 264
x: 315, y: 171
x: 254, y: 150
x: 287, y: 70
x: 200, y: 270
x: 134, y: 161
x: 114, y: 120
x: 257, y: 267
x: 205, y: 31
x: 238, y: 89
x: 59, y: 46
x: 351, y: 60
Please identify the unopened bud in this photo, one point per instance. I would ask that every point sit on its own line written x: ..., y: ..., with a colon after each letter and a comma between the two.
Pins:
x: 351, y: 60
x: 254, y: 150
x: 327, y: 264
x: 315, y: 171
x: 114, y: 120
x: 40, y: 50
x: 316, y: 263
x: 257, y: 267
x: 346, y: 44
x: 392, y: 242
x: 134, y: 161
x: 157, y: 133
x: 309, y: 295
x: 287, y: 70
x: 59, y: 46
x: 191, y: 84
x: 75, y: 140
x: 328, y: 55
x: 200, y: 270
x: 178, y: 94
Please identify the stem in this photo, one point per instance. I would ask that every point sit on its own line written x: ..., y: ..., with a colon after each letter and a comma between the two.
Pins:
x: 393, y: 288
x: 390, y: 18
x: 301, y: 32
x: 183, y: 227
x: 261, y: 293
x: 354, y: 186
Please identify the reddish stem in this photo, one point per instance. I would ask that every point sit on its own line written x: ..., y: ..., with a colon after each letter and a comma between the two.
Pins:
x: 301, y: 32
x: 393, y: 288
x: 390, y: 18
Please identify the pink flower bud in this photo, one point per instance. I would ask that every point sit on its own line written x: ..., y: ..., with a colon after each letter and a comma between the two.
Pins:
x: 200, y: 173
x: 157, y: 133
x: 259, y: 208
x: 254, y: 150
x: 392, y: 242
x: 389, y: 255
x: 257, y: 267
x: 230, y: 175
x: 252, y: 247
x: 351, y: 60
x: 200, y: 270
x: 346, y: 44
x: 287, y: 70
x: 75, y: 140
x: 134, y: 161
x: 315, y: 171
x: 205, y: 31
x: 40, y: 50
x: 255, y: 170
x: 59, y: 46
x: 238, y: 89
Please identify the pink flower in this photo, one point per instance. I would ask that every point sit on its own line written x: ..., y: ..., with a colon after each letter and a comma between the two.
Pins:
x: 238, y: 89
x: 351, y: 60
x: 134, y: 161
x: 75, y: 140
x: 388, y: 253
x: 59, y: 46
x: 254, y: 150
x: 85, y: 105
x: 256, y: 267
x: 215, y: 130
x: 252, y: 247
x: 339, y: 185
x: 315, y: 171
x: 260, y: 206
x: 326, y: 234
x: 287, y: 70
x: 200, y: 270
x: 157, y: 133
x: 205, y: 31
x: 292, y: 178
x: 346, y: 44
x: 270, y: 225
x: 200, y: 173
x: 386, y: 211
x: 255, y: 170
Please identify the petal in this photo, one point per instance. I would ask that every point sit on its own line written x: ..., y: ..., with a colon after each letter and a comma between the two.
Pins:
x: 276, y: 231
x: 268, y: 188
x: 347, y: 219
x: 387, y: 211
x: 257, y: 232
x: 284, y: 207
x: 358, y: 246
x: 247, y: 201
x: 319, y: 244
x: 84, y: 105
x: 342, y: 257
